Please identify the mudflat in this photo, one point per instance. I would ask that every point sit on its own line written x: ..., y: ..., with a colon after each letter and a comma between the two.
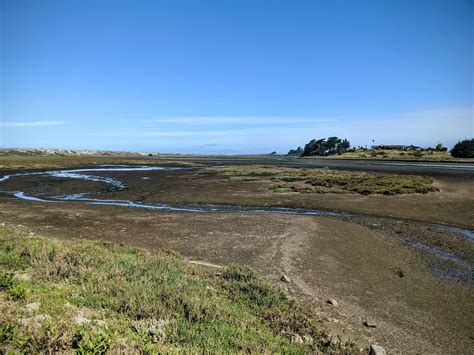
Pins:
x: 390, y: 261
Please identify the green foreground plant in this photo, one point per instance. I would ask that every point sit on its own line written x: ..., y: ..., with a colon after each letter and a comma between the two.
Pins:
x: 91, y: 297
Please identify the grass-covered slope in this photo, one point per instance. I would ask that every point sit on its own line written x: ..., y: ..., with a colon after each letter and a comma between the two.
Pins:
x: 329, y: 181
x: 91, y: 297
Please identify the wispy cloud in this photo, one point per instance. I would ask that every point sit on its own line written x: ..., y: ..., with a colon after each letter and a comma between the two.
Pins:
x: 261, y: 133
x: 240, y: 120
x: 31, y: 123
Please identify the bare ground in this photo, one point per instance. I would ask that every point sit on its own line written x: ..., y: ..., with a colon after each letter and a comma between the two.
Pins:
x: 324, y: 258
x: 355, y: 264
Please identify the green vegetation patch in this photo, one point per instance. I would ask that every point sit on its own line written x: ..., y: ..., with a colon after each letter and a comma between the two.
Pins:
x: 330, y: 181
x: 90, y: 297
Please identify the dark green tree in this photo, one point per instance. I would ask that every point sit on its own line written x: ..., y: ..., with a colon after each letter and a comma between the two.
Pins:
x: 343, y: 146
x: 439, y: 147
x: 463, y: 149
x: 329, y: 146
x: 298, y: 151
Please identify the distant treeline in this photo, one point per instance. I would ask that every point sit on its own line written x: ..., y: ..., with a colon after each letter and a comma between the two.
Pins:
x: 323, y: 146
x: 335, y: 145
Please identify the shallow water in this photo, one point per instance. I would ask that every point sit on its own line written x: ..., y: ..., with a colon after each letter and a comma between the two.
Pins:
x: 464, y: 271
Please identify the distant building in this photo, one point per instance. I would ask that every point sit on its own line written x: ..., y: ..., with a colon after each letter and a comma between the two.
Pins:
x: 396, y: 147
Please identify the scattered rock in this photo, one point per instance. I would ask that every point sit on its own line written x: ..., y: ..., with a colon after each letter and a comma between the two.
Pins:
x: 332, y: 301
x: 308, y: 339
x: 370, y: 324
x: 377, y: 350
x: 32, y: 307
x: 285, y: 278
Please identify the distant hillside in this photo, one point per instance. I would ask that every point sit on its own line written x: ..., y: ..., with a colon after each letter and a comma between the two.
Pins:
x: 65, y: 152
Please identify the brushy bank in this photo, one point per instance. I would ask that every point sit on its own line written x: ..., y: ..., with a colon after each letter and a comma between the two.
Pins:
x: 90, y: 297
x: 329, y: 181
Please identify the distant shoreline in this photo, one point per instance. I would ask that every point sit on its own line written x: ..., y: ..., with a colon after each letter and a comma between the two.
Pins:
x: 37, y: 152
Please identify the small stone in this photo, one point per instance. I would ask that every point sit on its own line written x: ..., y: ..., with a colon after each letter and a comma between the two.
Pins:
x: 399, y: 272
x: 32, y: 307
x: 2, y: 224
x: 376, y: 350
x: 22, y: 277
x: 297, y: 339
x: 308, y: 339
x: 80, y: 319
x: 370, y: 323
x: 81, y: 316
x: 332, y: 301
x: 285, y: 278
x: 100, y: 322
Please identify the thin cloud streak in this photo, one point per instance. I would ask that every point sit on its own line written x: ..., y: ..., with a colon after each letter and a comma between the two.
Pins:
x: 31, y: 123
x: 424, y: 127
x: 215, y: 120
x: 279, y: 124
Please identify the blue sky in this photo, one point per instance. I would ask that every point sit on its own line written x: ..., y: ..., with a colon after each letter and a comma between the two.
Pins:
x: 234, y: 76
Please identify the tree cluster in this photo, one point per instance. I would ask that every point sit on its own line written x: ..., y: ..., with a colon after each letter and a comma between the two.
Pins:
x: 463, y: 149
x: 324, y: 146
